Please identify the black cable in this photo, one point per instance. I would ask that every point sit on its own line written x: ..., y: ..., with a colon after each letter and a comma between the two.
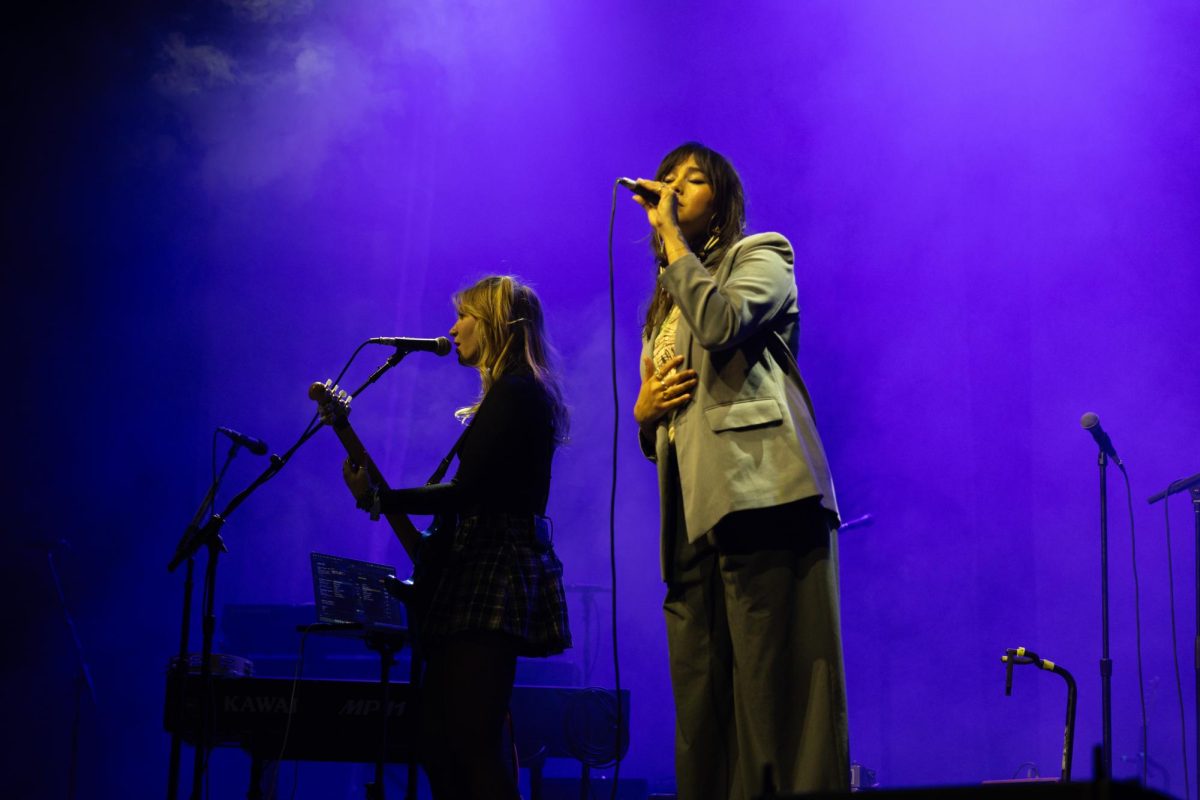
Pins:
x: 287, y: 728
x: 337, y: 382
x: 1187, y: 784
x: 612, y: 496
x: 212, y: 503
x: 1137, y: 618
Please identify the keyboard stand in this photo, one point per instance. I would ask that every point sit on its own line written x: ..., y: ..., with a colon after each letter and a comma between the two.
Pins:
x: 387, y: 640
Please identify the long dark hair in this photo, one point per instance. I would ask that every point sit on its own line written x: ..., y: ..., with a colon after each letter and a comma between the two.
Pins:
x: 512, y: 338
x: 728, y: 224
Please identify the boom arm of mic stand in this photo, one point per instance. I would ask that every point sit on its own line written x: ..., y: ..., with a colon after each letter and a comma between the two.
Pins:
x: 392, y: 360
x: 1175, y: 487
x: 193, y: 540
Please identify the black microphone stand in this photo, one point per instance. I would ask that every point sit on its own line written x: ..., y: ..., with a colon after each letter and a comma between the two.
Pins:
x: 181, y: 666
x: 1105, y: 661
x: 1195, y: 648
x: 1192, y: 486
x: 209, y: 536
x: 1195, y: 493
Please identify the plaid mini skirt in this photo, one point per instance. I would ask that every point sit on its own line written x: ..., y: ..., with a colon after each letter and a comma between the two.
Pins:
x: 498, y: 575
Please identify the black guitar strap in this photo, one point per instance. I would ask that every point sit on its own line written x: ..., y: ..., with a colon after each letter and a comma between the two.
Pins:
x: 440, y: 472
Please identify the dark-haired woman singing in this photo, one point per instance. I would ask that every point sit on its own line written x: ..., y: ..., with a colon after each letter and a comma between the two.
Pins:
x: 499, y: 593
x: 748, y: 515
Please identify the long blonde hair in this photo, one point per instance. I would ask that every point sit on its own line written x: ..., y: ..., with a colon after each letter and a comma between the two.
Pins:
x: 512, y: 338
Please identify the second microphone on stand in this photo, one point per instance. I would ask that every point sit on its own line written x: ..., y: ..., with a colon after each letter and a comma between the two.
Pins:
x: 256, y: 446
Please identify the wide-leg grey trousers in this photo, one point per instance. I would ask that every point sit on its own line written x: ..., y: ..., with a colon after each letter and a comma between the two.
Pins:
x: 755, y: 645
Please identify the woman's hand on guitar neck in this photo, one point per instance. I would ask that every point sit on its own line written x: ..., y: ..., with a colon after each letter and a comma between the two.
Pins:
x: 357, y: 479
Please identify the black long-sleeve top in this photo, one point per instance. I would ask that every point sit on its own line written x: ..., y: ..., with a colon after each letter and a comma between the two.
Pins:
x: 503, y: 461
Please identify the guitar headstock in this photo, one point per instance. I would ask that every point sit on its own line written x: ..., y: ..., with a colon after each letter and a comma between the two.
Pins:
x: 332, y: 403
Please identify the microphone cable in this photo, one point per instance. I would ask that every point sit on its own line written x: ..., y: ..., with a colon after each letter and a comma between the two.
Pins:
x: 1187, y: 786
x: 1137, y: 621
x: 291, y: 709
x: 612, y: 495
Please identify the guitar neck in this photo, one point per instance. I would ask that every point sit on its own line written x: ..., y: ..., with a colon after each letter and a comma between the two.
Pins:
x: 406, y: 532
x: 358, y: 452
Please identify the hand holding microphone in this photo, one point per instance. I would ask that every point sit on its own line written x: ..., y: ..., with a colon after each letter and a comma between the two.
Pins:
x: 661, y: 201
x: 658, y: 198
x: 643, y: 189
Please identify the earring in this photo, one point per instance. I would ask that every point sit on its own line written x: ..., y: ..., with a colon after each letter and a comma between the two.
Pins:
x: 714, y: 237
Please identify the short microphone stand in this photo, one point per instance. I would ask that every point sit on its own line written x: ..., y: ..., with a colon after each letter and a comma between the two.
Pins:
x: 1019, y: 655
x: 1192, y: 486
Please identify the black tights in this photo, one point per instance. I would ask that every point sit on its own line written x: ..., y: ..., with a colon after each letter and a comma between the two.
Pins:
x: 464, y: 700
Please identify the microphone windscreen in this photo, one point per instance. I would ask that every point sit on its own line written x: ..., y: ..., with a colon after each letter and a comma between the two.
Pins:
x: 1089, y: 421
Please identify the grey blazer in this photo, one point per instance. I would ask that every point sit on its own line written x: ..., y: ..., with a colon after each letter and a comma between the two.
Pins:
x: 748, y: 438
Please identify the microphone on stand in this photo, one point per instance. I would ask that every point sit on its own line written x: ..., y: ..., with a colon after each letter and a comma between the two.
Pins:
x: 256, y: 446
x: 439, y: 346
x: 1091, y: 424
x: 649, y: 195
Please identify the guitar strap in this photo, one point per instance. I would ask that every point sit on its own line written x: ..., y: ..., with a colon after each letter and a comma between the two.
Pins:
x: 440, y: 472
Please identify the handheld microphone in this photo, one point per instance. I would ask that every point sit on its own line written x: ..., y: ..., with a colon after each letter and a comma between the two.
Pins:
x: 649, y: 195
x: 1091, y: 424
x: 440, y: 345
x: 256, y: 446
